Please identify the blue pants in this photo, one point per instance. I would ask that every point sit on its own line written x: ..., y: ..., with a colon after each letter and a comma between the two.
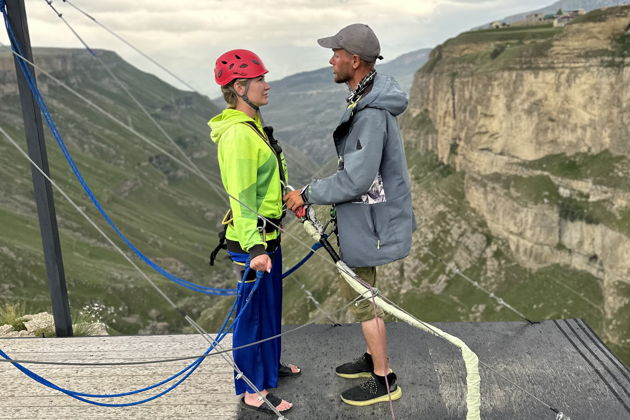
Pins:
x: 261, y: 319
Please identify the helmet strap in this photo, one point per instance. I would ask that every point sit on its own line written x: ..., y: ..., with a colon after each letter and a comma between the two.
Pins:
x: 244, y: 97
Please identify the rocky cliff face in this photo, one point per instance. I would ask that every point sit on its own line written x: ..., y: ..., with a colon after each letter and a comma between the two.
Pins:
x: 537, y: 121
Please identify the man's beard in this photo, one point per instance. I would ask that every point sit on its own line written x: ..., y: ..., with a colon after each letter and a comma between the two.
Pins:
x: 341, y: 78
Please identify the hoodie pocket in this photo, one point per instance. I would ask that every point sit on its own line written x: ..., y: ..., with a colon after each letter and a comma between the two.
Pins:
x: 377, y: 221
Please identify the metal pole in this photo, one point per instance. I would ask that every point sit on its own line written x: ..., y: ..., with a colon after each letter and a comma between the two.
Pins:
x: 42, y: 188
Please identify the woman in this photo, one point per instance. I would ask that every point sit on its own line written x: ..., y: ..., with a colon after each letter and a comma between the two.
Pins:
x: 253, y: 172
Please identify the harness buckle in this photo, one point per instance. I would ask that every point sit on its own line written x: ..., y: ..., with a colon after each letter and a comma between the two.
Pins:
x: 263, y: 229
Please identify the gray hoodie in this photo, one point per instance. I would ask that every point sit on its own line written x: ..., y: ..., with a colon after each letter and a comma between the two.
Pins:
x: 371, y: 186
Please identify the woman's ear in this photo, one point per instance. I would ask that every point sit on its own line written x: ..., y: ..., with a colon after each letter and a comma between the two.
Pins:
x: 239, y: 88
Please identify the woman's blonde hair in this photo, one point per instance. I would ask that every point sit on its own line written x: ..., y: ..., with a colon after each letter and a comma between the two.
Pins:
x: 229, y: 94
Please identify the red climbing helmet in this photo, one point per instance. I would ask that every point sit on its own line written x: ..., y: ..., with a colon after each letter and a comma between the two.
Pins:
x: 237, y: 64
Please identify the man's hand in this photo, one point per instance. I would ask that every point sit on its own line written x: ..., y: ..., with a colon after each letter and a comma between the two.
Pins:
x: 261, y: 263
x: 293, y: 199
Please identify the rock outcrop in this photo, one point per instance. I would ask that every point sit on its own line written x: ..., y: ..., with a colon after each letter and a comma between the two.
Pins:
x: 43, y: 325
x: 538, y: 121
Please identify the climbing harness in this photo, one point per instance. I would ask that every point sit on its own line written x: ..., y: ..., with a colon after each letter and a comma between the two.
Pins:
x: 266, y: 225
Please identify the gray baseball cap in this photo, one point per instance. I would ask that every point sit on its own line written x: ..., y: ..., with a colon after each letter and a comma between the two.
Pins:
x: 358, y: 39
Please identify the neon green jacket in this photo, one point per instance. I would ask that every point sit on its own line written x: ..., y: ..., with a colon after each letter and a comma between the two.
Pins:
x: 249, y: 171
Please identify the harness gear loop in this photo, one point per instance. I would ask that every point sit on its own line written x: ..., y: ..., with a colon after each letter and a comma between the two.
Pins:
x: 227, y: 220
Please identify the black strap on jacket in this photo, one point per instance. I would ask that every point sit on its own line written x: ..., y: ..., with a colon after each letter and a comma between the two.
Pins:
x: 221, y: 245
x: 268, y: 138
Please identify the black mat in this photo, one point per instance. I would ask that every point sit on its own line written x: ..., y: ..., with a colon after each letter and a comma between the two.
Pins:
x: 560, y: 362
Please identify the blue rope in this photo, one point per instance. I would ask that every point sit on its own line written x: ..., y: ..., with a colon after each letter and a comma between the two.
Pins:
x: 53, y: 128
x: 223, y: 331
x: 314, y: 248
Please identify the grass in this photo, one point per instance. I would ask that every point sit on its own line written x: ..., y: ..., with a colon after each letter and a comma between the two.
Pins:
x: 512, y: 34
x: 603, y: 168
x: 598, y: 15
x: 11, y: 314
x: 512, y: 48
x: 539, y: 189
x: 576, y: 210
x: 620, y: 51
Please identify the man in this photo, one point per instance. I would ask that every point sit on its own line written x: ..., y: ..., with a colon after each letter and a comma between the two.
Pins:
x: 371, y: 195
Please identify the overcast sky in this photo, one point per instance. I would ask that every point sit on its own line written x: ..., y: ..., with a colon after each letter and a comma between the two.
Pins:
x: 186, y: 36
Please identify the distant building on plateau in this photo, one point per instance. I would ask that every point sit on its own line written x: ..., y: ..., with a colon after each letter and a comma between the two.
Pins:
x: 566, y: 17
x: 498, y: 25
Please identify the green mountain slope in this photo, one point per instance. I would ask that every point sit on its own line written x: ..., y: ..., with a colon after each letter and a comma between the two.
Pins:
x: 305, y: 107
x: 170, y: 214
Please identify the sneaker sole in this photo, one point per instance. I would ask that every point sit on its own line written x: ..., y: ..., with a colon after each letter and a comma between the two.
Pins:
x: 385, y: 398
x: 354, y: 375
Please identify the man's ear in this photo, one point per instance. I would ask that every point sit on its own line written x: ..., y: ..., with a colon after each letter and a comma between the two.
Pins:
x: 356, y: 61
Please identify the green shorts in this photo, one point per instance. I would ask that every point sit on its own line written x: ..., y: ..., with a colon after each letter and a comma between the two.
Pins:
x: 364, y: 309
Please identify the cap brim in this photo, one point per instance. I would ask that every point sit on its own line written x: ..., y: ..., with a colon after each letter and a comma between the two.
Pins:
x: 329, y: 42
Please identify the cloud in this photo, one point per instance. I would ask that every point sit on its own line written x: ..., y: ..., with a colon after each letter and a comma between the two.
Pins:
x: 186, y: 36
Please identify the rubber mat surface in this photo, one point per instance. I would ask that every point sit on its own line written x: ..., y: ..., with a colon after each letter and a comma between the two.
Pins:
x: 560, y: 362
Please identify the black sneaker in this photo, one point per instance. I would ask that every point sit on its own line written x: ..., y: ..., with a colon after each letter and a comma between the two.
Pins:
x: 360, y: 368
x: 373, y: 391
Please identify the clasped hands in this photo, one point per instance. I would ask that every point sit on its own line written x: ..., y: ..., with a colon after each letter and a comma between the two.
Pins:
x: 294, y: 202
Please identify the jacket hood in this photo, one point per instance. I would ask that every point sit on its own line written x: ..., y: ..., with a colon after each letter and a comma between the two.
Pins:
x: 226, y: 119
x: 385, y: 94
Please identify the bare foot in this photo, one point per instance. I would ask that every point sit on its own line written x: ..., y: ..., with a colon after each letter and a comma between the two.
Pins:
x: 254, y: 401
x: 288, y: 370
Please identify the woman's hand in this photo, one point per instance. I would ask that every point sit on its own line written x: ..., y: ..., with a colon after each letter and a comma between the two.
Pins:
x: 261, y: 263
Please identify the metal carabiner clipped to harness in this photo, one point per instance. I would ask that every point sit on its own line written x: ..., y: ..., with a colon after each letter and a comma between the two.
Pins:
x: 263, y: 228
